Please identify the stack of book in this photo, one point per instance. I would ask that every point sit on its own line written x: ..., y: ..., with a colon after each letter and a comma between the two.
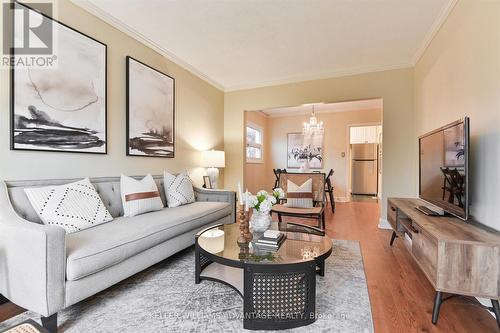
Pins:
x: 271, y: 240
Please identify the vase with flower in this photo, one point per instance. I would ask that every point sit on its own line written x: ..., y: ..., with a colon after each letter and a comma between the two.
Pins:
x: 261, y: 204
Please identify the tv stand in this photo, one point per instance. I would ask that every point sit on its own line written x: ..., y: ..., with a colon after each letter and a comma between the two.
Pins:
x: 427, y: 211
x: 458, y: 258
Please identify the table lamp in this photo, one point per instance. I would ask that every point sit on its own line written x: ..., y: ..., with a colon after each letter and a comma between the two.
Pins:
x: 212, y: 160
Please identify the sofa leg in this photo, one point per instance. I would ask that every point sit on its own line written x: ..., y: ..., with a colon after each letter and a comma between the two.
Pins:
x: 3, y: 299
x: 50, y: 323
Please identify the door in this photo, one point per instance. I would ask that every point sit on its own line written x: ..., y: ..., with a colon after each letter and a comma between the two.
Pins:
x: 364, y: 177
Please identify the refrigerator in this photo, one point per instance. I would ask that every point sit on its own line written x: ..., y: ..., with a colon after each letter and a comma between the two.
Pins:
x: 364, y: 169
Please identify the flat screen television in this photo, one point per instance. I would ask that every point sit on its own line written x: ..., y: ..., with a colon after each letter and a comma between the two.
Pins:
x: 444, y: 168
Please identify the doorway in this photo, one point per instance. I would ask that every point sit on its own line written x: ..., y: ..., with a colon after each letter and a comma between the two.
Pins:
x: 270, y: 135
x: 365, y: 162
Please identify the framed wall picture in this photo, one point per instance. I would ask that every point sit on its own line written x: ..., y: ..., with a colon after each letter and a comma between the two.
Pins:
x: 300, y: 148
x: 61, y: 107
x: 150, y: 111
x: 207, y: 183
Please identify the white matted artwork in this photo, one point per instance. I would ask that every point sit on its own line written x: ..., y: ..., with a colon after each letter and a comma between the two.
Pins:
x: 61, y: 108
x: 150, y: 111
x: 300, y: 148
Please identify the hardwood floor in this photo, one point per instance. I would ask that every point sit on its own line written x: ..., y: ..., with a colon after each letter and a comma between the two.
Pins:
x: 400, y: 295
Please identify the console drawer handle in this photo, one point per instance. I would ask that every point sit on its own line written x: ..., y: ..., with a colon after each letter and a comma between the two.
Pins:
x: 413, y: 229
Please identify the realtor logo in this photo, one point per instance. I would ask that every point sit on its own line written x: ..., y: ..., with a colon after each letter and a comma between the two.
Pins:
x: 33, y: 30
x: 28, y: 38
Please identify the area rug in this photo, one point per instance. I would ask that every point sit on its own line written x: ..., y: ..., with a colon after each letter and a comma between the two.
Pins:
x: 164, y: 298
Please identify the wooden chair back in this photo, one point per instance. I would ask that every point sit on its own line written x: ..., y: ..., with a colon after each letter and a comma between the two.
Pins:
x: 318, y: 183
x: 329, y: 180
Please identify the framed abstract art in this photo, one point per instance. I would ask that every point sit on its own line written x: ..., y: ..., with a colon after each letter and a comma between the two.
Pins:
x: 62, y: 107
x: 150, y: 111
x: 301, y: 148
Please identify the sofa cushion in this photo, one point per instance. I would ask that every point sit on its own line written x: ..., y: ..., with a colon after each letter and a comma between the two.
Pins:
x: 74, y: 207
x: 178, y: 189
x: 139, y: 196
x: 95, y: 249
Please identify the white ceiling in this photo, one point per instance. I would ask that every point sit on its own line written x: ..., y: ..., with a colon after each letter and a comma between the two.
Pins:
x: 319, y: 108
x: 251, y: 43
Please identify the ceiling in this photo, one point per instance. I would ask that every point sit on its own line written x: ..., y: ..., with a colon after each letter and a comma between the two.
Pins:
x: 319, y: 108
x: 252, y: 43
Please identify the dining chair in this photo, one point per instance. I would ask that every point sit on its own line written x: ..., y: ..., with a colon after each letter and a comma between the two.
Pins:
x: 318, y: 197
x: 277, y: 173
x: 329, y: 189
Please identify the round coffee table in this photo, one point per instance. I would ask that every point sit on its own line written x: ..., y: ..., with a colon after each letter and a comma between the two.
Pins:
x: 278, y: 287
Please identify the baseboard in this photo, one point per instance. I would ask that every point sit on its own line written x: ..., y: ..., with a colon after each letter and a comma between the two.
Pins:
x: 341, y: 199
x: 384, y: 224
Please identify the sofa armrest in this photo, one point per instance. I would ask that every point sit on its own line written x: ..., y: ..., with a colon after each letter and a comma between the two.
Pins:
x: 203, y: 194
x: 32, y: 261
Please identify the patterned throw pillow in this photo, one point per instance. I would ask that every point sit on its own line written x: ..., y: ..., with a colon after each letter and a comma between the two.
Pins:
x: 178, y: 189
x: 299, y: 196
x: 74, y: 207
x: 139, y: 196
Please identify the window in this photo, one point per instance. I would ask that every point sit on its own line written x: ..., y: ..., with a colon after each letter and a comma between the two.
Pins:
x: 254, y: 143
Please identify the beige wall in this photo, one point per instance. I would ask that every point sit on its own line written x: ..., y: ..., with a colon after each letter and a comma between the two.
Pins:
x: 199, y: 115
x: 395, y: 87
x: 335, y: 141
x: 259, y: 176
x: 459, y: 75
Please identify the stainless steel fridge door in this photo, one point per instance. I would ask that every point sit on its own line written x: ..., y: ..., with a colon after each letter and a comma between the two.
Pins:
x: 364, y: 151
x: 364, y: 177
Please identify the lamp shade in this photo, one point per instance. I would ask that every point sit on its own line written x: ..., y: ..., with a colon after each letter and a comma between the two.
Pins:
x: 213, y: 159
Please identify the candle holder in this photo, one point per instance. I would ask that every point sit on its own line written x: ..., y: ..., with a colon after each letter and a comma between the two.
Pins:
x: 245, y: 234
x: 248, y: 234
x: 244, y: 251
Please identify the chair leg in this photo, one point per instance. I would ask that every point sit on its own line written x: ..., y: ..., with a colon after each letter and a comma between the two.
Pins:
x: 332, y: 201
x: 50, y: 323
x: 321, y: 221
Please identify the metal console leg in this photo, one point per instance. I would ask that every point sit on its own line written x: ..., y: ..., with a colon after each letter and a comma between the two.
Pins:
x: 437, y: 304
x: 496, y: 310
x: 393, y: 237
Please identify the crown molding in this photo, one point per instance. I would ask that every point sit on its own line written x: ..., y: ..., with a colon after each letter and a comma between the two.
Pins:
x: 442, y: 17
x: 322, y: 76
x: 126, y: 29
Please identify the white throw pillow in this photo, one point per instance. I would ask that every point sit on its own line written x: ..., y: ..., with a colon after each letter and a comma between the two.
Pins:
x: 139, y: 196
x: 178, y: 189
x: 299, y: 196
x: 74, y: 207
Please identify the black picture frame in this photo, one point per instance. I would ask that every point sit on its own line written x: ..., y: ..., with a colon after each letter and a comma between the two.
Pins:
x: 292, y: 163
x: 207, y: 183
x: 12, y: 85
x: 128, y: 60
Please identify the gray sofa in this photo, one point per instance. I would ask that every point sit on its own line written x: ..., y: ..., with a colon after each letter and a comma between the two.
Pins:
x: 44, y: 270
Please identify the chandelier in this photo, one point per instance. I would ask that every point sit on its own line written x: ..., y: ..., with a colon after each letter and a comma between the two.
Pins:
x: 313, y: 127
